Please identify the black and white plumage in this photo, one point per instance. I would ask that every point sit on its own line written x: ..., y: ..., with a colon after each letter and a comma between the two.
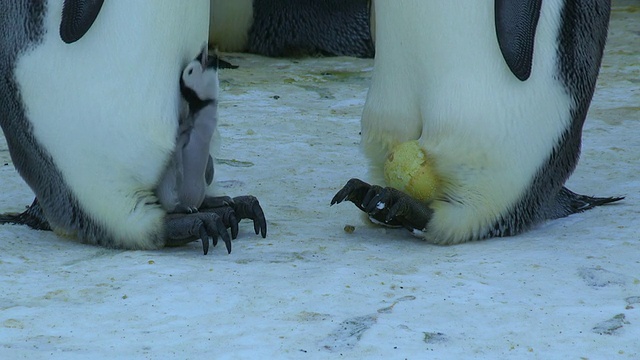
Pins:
x: 89, y: 104
x: 292, y: 27
x: 496, y: 92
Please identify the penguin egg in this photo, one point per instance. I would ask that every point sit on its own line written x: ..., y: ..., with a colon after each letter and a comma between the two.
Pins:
x: 409, y: 168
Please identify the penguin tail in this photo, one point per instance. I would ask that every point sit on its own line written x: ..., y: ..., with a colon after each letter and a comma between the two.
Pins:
x: 32, y: 217
x: 576, y: 203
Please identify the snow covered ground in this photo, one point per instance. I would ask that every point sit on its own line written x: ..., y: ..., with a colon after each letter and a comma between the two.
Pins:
x: 568, y: 289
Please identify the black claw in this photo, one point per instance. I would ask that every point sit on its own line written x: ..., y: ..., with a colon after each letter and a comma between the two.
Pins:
x: 227, y: 215
x: 248, y: 207
x: 370, y: 201
x: 229, y: 212
x: 354, y: 190
x: 227, y: 242
x: 376, y: 196
x: 339, y: 197
x: 222, y: 230
x: 233, y: 222
x: 259, y: 222
x: 214, y: 240
x: 204, y: 237
x: 215, y: 228
x: 183, y: 228
x: 398, y: 210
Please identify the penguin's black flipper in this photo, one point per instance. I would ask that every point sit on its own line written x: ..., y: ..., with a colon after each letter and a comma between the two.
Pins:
x: 220, y: 64
x: 208, y: 172
x: 386, y: 206
x: 516, y: 22
x: 223, y: 64
x: 77, y: 18
x: 32, y: 217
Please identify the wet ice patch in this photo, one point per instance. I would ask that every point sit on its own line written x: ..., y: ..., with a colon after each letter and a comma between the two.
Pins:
x: 599, y: 277
x: 389, y: 309
x: 611, y: 326
x: 348, y: 333
x: 631, y: 301
x: 234, y: 162
x: 434, y: 337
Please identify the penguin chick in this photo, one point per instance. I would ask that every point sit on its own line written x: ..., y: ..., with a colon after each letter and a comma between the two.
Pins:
x: 184, y: 183
x: 182, y: 188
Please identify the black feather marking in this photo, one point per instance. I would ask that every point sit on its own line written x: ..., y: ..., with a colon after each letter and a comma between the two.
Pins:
x: 213, y: 62
x: 516, y: 22
x: 195, y: 103
x: 294, y: 28
x: 77, y: 18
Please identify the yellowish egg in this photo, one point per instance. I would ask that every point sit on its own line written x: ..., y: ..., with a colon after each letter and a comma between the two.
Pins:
x: 410, y: 169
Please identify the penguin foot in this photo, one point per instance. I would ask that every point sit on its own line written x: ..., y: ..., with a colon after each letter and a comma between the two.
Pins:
x: 181, y: 229
x: 228, y: 216
x: 386, y: 205
x: 232, y: 210
x: 32, y: 217
x: 182, y: 209
x: 211, y: 202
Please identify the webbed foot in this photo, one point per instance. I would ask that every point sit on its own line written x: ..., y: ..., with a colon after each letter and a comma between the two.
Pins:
x: 232, y: 210
x: 181, y: 229
x: 228, y: 216
x: 183, y: 209
x: 386, y: 205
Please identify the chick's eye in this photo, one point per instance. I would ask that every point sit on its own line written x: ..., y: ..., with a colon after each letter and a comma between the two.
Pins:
x: 190, y: 71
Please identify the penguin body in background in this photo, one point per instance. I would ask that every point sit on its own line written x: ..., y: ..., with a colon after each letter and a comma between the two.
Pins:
x: 494, y: 93
x: 292, y: 27
x: 229, y: 24
x: 89, y: 104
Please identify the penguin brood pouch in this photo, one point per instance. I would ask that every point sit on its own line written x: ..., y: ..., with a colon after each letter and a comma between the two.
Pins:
x: 476, y: 133
x: 91, y: 143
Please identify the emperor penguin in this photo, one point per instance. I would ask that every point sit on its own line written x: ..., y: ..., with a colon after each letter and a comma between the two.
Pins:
x: 292, y: 27
x: 473, y: 120
x: 89, y: 106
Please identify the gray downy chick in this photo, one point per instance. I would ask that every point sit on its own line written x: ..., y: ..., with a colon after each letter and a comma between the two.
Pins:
x: 182, y: 188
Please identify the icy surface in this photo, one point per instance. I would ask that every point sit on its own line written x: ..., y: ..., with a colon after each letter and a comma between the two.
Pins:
x: 325, y: 283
